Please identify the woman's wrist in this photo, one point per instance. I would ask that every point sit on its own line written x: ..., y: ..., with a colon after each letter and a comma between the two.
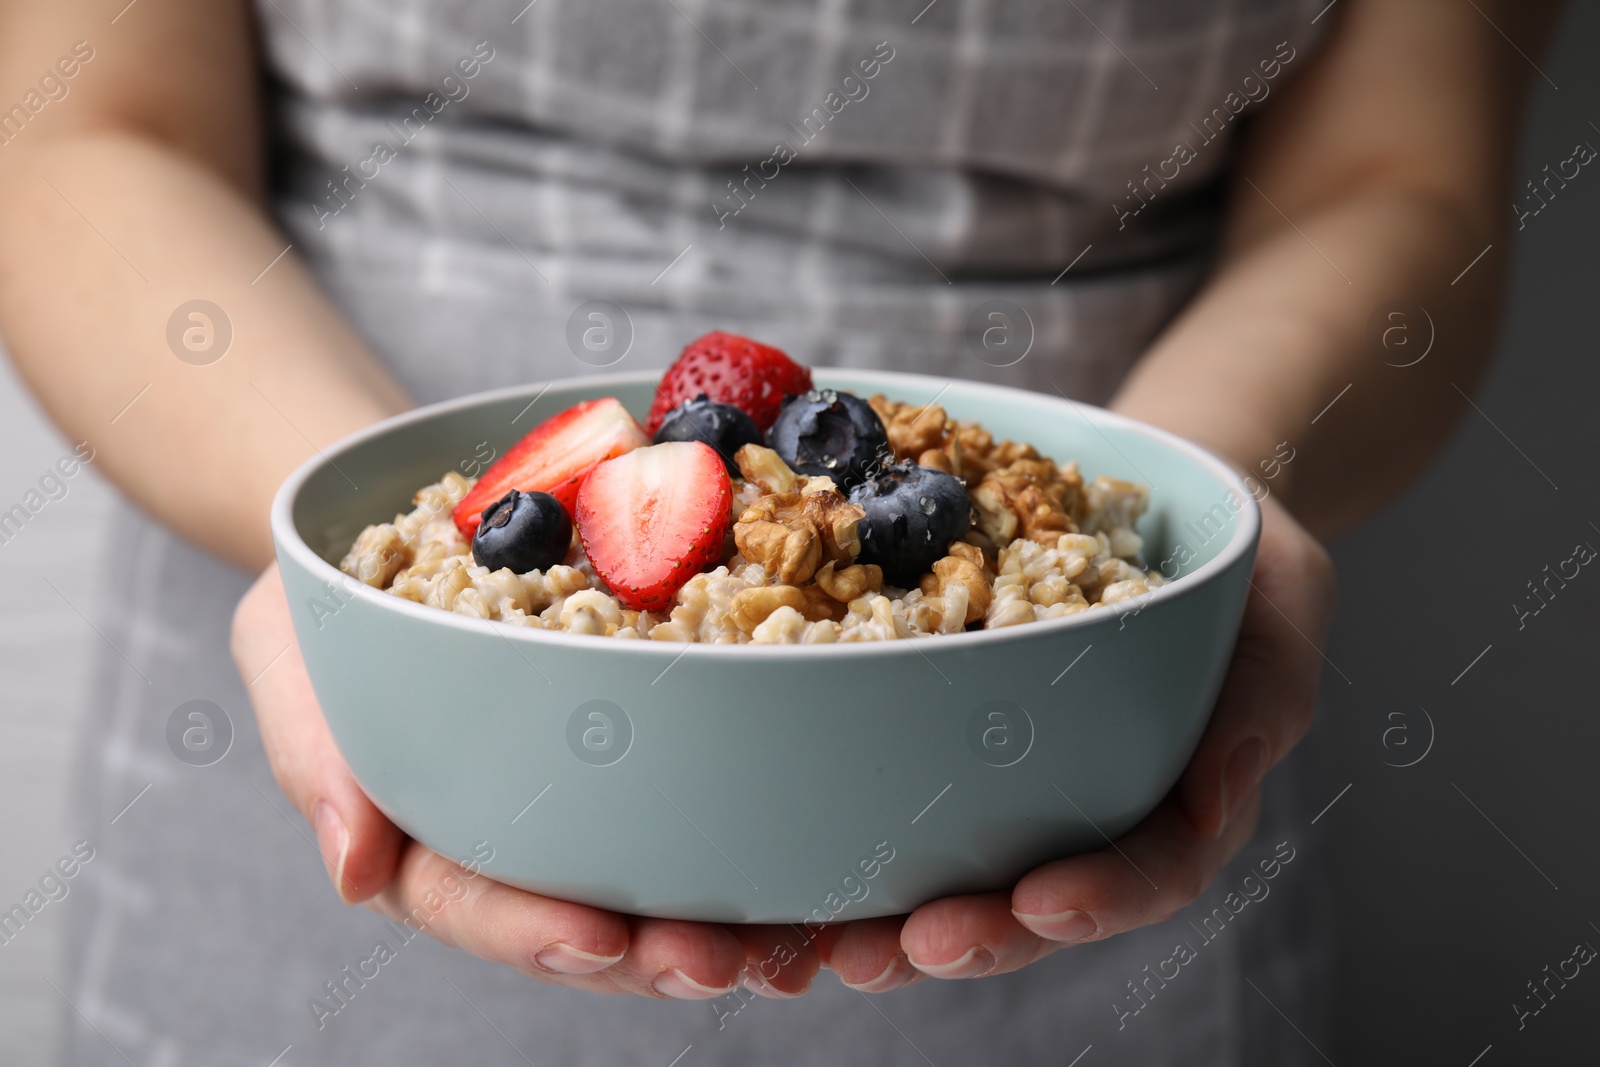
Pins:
x: 1264, y: 460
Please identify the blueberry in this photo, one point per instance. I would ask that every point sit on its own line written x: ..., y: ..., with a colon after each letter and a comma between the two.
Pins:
x: 523, y: 532
x: 913, y: 513
x: 722, y: 426
x: 832, y: 433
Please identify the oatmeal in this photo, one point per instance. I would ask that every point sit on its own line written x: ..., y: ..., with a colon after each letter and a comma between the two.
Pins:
x: 752, y: 508
x: 1037, y: 542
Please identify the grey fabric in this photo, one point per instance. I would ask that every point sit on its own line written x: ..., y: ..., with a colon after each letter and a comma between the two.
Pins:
x: 580, y: 162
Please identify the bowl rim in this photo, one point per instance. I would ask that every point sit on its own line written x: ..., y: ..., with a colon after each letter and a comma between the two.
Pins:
x: 288, y: 541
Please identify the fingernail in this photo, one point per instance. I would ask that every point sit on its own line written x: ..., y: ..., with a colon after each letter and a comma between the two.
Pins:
x: 897, y: 974
x: 757, y: 983
x: 1063, y: 926
x: 333, y: 840
x: 676, y: 985
x: 559, y: 958
x: 1244, y: 770
x: 977, y: 960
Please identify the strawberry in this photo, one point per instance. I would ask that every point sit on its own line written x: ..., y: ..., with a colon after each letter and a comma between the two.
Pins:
x: 554, y: 457
x: 652, y: 519
x: 735, y: 370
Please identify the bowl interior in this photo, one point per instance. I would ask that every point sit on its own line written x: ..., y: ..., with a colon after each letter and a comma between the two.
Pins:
x: 1194, y: 512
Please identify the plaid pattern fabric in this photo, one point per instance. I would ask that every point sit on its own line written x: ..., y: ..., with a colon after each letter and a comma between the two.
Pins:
x: 587, y: 155
x: 634, y: 150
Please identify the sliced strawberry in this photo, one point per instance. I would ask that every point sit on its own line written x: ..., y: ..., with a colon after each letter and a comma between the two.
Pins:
x: 653, y: 519
x: 554, y: 457
x: 735, y: 370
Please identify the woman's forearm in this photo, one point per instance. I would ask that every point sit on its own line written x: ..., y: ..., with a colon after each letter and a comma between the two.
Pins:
x: 1372, y: 187
x: 107, y: 234
x: 1276, y: 359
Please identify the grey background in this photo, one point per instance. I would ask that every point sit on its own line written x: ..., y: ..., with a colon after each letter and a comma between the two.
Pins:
x: 1443, y: 921
x: 1458, y: 878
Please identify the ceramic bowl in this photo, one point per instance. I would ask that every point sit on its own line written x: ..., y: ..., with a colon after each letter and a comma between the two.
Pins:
x: 740, y: 783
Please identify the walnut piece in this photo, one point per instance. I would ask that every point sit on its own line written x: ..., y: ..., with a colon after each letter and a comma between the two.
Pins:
x: 912, y: 428
x: 923, y: 433
x: 820, y: 605
x: 1030, y: 498
x: 980, y: 453
x: 963, y: 566
x: 750, y: 607
x: 927, y: 435
x: 853, y: 581
x: 764, y: 467
x: 792, y: 534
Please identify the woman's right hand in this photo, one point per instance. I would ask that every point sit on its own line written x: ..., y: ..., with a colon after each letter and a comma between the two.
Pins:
x: 371, y: 860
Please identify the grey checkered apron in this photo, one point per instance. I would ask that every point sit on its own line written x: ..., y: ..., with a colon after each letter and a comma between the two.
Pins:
x: 854, y: 181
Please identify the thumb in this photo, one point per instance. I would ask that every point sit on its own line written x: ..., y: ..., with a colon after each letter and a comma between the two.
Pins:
x: 360, y: 847
x: 1269, y: 695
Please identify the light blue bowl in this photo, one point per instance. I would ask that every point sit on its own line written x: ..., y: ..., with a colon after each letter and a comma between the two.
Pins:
x: 766, y: 784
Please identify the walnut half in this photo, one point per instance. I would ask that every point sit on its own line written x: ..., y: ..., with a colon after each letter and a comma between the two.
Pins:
x: 750, y: 607
x: 792, y: 534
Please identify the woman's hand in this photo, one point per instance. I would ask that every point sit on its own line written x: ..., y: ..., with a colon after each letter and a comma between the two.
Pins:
x: 1167, y: 860
x: 369, y: 859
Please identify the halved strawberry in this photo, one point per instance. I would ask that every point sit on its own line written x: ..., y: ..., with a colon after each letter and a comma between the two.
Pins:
x: 554, y: 457
x: 751, y: 376
x: 654, y: 518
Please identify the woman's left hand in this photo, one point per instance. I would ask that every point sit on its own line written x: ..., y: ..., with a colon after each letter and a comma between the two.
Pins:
x: 1264, y: 709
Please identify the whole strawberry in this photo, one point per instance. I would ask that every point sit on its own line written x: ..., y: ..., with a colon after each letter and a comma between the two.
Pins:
x: 751, y: 376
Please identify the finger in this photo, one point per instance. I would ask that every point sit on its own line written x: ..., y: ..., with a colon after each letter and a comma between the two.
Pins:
x: 780, y: 961
x: 1158, y: 867
x: 360, y: 846
x: 1269, y: 694
x: 969, y: 937
x: 826, y: 935
x: 681, y: 960
x: 549, y: 939
x: 866, y: 955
